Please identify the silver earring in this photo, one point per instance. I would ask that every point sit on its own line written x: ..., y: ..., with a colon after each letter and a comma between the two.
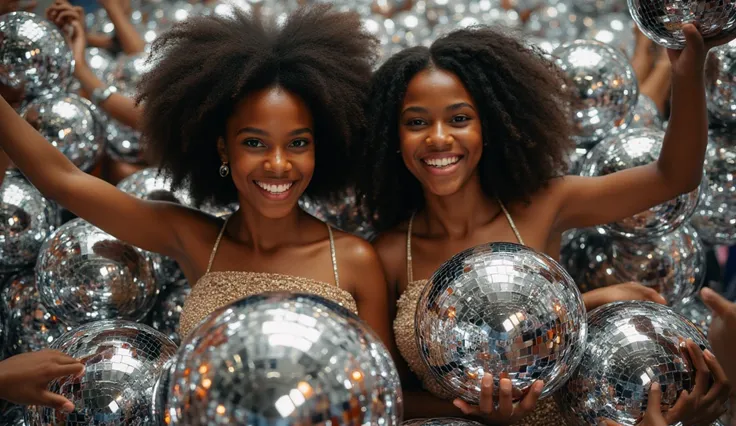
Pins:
x: 224, y: 170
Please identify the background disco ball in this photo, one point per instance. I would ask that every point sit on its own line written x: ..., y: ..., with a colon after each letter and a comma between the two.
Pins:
x: 720, y: 83
x: 603, y: 86
x: 33, y: 54
x: 128, y: 71
x: 123, y: 143
x: 122, y: 361
x: 587, y: 255
x: 447, y: 421
x: 70, y: 123
x: 308, y: 361
x: 662, y: 20
x: 630, y: 345
x: 615, y: 29
x: 341, y: 211
x: 100, y: 61
x: 165, y: 315
x: 26, y: 219
x: 500, y: 308
x: 645, y: 114
x: 632, y: 148
x: 696, y: 311
x: 715, y: 216
x: 85, y: 274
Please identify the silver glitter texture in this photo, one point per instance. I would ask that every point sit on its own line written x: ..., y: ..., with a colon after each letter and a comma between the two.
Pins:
x: 122, y: 361
x: 342, y: 212
x: 603, y: 86
x: 720, y: 83
x: 443, y: 421
x: 500, y: 308
x: 85, y: 274
x: 283, y: 359
x: 33, y: 54
x: 26, y: 220
x: 632, y: 148
x: 662, y: 20
x: 696, y: 311
x: 630, y: 345
x: 165, y: 315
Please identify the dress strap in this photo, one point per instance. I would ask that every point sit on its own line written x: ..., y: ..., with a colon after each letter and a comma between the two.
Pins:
x: 217, y: 244
x: 511, y: 222
x: 334, y: 256
x: 409, y: 269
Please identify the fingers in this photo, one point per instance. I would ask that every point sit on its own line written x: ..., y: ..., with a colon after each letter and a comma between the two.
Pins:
x: 506, y: 399
x: 68, y: 370
x: 702, y: 372
x: 56, y: 401
x: 486, y: 394
x: 717, y: 303
x: 720, y: 389
x: 529, y: 402
x: 654, y: 404
x: 654, y: 296
x: 466, y: 408
x: 673, y: 414
x: 693, y: 38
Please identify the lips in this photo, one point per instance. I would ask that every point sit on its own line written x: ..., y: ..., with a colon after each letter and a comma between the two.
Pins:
x: 441, y: 162
x: 274, y: 188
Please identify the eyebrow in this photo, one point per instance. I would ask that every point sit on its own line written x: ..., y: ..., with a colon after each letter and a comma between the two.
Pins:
x: 257, y: 131
x: 453, y: 107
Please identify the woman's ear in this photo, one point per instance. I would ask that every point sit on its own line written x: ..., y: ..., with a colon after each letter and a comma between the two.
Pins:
x: 221, y: 150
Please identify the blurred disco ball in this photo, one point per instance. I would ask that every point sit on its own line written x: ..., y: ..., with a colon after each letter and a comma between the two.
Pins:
x: 31, y: 326
x: 587, y: 255
x: 127, y: 72
x: 161, y: 395
x: 26, y: 219
x: 696, y: 311
x: 70, y: 123
x: 595, y: 7
x: 342, y: 212
x: 149, y: 184
x: 446, y: 421
x: 603, y: 87
x: 557, y: 23
x: 122, y: 361
x: 310, y: 361
x: 14, y: 416
x: 630, y: 345
x: 409, y: 29
x: 632, y: 148
x: 34, y: 54
x: 645, y: 114
x: 100, y: 61
x: 720, y: 83
x: 165, y: 315
x: 123, y: 143
x: 545, y: 46
x: 615, y: 29
x: 662, y: 21
x: 85, y: 274
x: 715, y: 216
x: 501, y: 309
x: 575, y: 160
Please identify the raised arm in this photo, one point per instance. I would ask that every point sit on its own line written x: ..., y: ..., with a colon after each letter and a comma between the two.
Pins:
x: 585, y: 201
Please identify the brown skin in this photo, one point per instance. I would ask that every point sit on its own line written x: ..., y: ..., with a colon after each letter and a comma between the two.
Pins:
x: 439, y: 118
x: 263, y: 236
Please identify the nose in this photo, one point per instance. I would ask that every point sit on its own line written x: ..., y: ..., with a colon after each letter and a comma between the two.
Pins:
x: 439, y: 137
x: 277, y: 162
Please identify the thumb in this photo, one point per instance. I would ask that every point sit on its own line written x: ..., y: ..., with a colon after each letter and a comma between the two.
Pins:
x: 654, y: 402
x: 693, y: 39
x: 717, y: 303
x: 56, y: 401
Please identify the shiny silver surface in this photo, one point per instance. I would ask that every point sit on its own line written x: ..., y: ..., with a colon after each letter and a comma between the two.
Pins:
x: 281, y: 359
x: 695, y: 310
x: 630, y: 345
x: 33, y: 54
x: 71, y: 123
x: 720, y: 83
x: 645, y: 114
x: 662, y: 20
x: 615, y: 29
x: 637, y: 147
x: 26, y: 220
x: 165, y: 314
x: 603, y: 85
x: 123, y: 142
x: 446, y: 421
x: 84, y: 274
x: 341, y: 212
x: 500, y: 308
x: 100, y: 61
x: 122, y: 361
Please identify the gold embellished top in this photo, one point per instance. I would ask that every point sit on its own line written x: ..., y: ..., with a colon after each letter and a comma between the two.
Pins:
x: 217, y: 289
x: 546, y: 413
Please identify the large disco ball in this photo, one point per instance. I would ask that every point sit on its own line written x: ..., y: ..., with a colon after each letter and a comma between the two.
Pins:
x: 632, y: 148
x: 630, y: 345
x: 502, y: 309
x: 165, y: 315
x: 662, y: 20
x: 720, y: 83
x: 715, y: 216
x: 70, y: 123
x: 85, y: 274
x: 696, y: 311
x: 442, y: 421
x: 122, y: 361
x: 603, y: 86
x: 31, y: 326
x: 26, y: 219
x: 33, y: 54
x: 286, y: 359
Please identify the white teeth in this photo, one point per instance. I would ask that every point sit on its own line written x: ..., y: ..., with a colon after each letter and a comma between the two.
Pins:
x: 275, y: 189
x: 442, y: 162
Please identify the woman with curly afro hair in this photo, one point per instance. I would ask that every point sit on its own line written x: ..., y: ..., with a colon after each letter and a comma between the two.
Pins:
x: 467, y: 144
x: 246, y: 111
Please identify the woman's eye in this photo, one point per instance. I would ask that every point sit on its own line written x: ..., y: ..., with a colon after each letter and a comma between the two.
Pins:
x: 416, y: 122
x: 252, y: 143
x: 460, y: 118
x: 301, y: 143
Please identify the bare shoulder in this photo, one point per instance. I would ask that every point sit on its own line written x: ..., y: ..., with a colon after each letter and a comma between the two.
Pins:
x: 354, y: 251
x: 391, y: 249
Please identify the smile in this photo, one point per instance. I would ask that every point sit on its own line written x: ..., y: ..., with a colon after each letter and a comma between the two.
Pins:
x: 275, y: 189
x: 441, y: 162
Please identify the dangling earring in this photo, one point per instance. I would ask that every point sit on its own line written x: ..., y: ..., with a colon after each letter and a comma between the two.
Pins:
x: 224, y: 169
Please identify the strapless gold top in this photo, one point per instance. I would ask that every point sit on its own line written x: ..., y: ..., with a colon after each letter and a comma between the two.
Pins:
x: 217, y: 289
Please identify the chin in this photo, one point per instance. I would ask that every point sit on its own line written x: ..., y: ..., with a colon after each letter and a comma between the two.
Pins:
x: 273, y: 212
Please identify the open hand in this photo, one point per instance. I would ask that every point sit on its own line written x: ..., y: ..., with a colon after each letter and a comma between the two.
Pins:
x: 722, y: 330
x: 506, y: 412
x: 690, y: 61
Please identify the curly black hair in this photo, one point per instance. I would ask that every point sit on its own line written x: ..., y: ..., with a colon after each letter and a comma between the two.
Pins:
x: 205, y: 65
x: 520, y: 96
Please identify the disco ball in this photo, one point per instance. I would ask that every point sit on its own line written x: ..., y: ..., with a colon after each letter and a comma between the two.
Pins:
x: 556, y: 23
x: 587, y: 255
x: 122, y: 361
x: 31, y: 326
x: 165, y: 315
x: 14, y: 416
x: 720, y: 83
x: 34, y: 54
x: 99, y: 61
x: 128, y: 71
x: 662, y: 20
x: 632, y: 148
x: 696, y: 311
x: 614, y: 29
x: 305, y: 360
x: 341, y: 210
x: 603, y: 86
x: 26, y: 219
x: 501, y: 309
x: 645, y: 114
x: 446, y: 421
x: 70, y: 123
x: 715, y: 216
x: 84, y: 274
x: 575, y: 160
x: 595, y: 7
x: 123, y: 143
x: 630, y: 345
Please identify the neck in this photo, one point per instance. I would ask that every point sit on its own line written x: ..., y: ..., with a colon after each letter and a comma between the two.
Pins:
x: 459, y: 214
x: 263, y: 233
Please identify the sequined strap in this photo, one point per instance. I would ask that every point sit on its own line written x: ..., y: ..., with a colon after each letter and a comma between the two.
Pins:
x: 511, y: 222
x: 334, y: 256
x: 217, y: 244
x: 409, y: 269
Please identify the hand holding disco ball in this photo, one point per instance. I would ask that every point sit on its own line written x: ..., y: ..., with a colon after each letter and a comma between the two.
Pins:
x: 721, y: 334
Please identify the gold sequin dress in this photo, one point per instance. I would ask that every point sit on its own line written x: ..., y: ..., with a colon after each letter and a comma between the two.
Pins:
x: 217, y: 289
x: 547, y: 412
